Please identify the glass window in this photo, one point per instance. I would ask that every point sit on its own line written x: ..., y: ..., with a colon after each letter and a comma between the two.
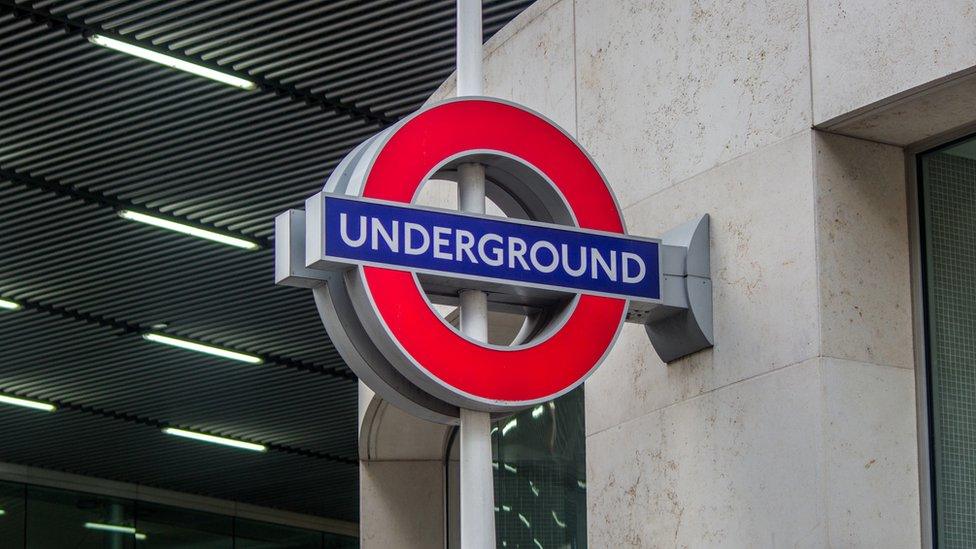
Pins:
x: 165, y: 526
x: 47, y: 518
x: 335, y: 541
x: 540, y: 478
x: 57, y: 519
x: 948, y: 211
x: 12, y: 514
x: 261, y: 535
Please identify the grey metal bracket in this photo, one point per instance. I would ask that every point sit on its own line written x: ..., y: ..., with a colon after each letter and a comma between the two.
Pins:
x: 289, y: 243
x: 682, y: 324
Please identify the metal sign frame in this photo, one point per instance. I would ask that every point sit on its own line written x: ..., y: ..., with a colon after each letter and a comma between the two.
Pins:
x: 678, y: 323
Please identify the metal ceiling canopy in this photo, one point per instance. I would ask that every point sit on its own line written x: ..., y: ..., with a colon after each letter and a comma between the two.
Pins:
x: 86, y: 131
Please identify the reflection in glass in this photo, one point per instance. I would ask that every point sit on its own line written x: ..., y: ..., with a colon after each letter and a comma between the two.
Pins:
x: 12, y: 514
x: 166, y: 526
x: 48, y: 518
x: 58, y: 519
x: 540, y: 476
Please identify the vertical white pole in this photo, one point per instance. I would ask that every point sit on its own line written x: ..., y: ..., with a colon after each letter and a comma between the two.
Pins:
x: 477, y: 482
x: 469, y: 70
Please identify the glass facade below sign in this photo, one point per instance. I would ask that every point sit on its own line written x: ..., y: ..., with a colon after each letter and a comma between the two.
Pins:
x: 540, y: 477
x: 37, y: 517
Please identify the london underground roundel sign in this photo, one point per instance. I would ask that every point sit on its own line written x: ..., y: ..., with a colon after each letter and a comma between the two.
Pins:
x: 560, y: 258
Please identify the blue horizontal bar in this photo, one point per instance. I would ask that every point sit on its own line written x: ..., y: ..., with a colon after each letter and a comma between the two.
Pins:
x: 360, y: 231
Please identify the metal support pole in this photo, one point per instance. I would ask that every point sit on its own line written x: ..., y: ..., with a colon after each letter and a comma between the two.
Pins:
x: 469, y: 69
x: 477, y: 487
x: 477, y: 480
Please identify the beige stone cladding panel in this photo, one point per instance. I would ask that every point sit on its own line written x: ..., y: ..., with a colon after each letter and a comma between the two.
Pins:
x: 405, y: 506
x: 871, y: 455
x: 671, y: 89
x: 535, y: 67
x: 401, y: 477
x: 865, y: 283
x: 867, y: 343
x: 819, y: 454
x: 740, y: 466
x: 764, y: 278
x: 531, y: 62
x: 863, y: 51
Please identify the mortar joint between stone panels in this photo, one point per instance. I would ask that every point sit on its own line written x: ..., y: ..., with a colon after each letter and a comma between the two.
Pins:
x: 716, y: 166
x: 708, y: 392
x: 817, y: 255
x: 867, y: 363
x: 810, y: 62
x: 576, y: 131
x: 824, y: 469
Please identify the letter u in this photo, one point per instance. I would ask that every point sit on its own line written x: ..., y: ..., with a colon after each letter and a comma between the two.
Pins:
x: 344, y: 231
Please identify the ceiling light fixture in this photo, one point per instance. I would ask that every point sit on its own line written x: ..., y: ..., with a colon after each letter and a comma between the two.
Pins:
x: 216, y: 440
x: 187, y: 229
x: 4, y: 399
x: 172, y: 62
x: 201, y: 348
x: 9, y: 305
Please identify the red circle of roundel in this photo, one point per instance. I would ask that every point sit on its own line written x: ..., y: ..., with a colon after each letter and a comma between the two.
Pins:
x: 528, y: 373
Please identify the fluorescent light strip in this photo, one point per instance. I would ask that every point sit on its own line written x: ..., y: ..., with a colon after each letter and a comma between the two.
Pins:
x: 216, y: 440
x: 201, y: 348
x: 172, y: 62
x: 110, y: 528
x: 183, y: 228
x: 27, y: 403
x: 509, y: 426
x: 9, y: 305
